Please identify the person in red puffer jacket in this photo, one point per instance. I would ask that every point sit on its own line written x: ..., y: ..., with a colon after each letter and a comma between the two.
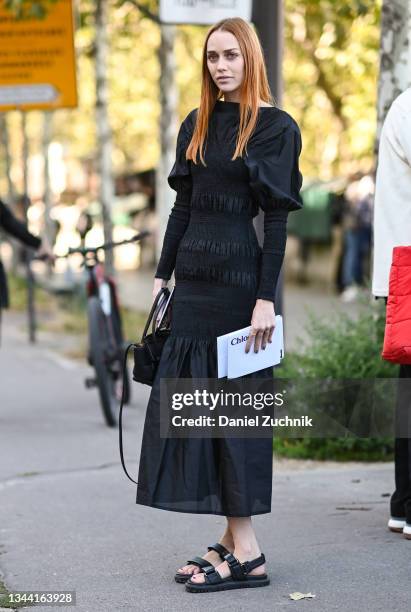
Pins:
x: 392, y: 228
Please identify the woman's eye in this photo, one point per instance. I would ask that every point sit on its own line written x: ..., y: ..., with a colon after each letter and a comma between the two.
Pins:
x: 214, y: 57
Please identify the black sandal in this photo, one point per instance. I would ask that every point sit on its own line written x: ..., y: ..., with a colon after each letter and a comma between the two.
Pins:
x: 202, y: 563
x: 238, y: 579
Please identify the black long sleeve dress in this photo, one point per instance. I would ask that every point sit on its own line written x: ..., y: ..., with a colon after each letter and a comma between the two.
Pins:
x: 220, y: 270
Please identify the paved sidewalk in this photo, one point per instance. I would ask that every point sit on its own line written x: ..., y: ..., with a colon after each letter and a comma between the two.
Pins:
x: 68, y: 518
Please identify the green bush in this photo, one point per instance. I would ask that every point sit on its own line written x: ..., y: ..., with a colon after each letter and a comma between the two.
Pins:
x: 18, y: 293
x: 342, y: 348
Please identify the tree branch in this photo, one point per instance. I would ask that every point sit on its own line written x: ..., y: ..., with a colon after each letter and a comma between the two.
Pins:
x: 145, y: 10
x: 323, y: 82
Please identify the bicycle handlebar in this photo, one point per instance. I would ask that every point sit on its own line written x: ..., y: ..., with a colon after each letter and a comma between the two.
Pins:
x: 104, y: 247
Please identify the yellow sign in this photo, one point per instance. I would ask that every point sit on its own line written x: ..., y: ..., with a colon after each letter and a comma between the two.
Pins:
x: 37, y: 60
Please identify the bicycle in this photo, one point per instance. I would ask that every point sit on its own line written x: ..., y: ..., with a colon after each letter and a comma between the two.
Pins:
x: 106, y: 346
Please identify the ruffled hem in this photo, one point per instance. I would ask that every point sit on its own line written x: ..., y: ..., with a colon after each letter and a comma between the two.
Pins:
x: 145, y: 499
x: 188, y: 357
x: 237, y: 477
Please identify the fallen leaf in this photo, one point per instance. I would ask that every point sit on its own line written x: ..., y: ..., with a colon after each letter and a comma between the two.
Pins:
x: 296, y: 596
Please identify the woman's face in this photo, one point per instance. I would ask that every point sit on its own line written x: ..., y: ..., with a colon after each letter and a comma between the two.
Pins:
x: 224, y: 59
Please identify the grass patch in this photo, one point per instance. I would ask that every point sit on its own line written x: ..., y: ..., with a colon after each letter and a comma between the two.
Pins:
x: 66, y: 314
x: 335, y: 449
x: 18, y: 293
x: 342, y: 348
x: 5, y: 602
x: 133, y: 322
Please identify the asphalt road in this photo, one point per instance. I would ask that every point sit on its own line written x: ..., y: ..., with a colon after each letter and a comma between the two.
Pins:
x: 68, y: 518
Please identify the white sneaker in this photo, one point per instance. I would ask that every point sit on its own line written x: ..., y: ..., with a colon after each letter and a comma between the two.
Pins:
x: 398, y: 525
x: 349, y: 294
x: 407, y: 531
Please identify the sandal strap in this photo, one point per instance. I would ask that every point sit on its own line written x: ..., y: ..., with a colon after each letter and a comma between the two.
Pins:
x: 200, y: 562
x: 219, y: 549
x: 238, y: 569
x: 250, y: 565
x: 212, y: 576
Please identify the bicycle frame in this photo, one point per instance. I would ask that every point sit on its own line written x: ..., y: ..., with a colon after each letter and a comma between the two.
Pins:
x: 102, y: 286
x: 106, y: 341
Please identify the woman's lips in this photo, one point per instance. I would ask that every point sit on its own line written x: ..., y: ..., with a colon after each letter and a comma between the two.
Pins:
x: 223, y: 78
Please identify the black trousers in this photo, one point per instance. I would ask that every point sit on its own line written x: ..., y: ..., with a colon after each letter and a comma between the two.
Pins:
x: 401, y: 498
x: 400, y: 503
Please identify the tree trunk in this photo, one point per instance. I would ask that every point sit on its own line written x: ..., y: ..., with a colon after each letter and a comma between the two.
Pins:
x: 104, y: 135
x: 168, y: 127
x: 395, y: 55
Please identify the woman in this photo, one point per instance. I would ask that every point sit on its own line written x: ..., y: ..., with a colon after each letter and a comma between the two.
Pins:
x: 224, y: 281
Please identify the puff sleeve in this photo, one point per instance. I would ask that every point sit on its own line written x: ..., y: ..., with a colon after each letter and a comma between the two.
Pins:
x: 180, y: 180
x: 275, y: 180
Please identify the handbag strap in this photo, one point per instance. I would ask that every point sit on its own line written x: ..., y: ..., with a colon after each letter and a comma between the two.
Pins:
x: 154, y: 319
x: 120, y: 418
x: 130, y: 346
x: 166, y: 307
x: 153, y: 308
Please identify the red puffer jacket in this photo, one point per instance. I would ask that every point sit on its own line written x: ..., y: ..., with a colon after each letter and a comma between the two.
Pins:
x: 397, y: 338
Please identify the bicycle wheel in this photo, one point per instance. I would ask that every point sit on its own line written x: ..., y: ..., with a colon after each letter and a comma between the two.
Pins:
x: 118, y: 334
x: 102, y: 354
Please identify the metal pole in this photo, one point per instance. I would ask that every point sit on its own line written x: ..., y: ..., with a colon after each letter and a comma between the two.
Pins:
x: 267, y: 16
x: 47, y: 198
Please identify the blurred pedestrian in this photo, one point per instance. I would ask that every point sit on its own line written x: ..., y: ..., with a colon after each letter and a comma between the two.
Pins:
x: 357, y: 224
x: 17, y: 229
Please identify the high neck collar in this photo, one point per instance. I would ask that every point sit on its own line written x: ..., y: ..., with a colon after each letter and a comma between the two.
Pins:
x: 227, y: 107
x: 234, y: 107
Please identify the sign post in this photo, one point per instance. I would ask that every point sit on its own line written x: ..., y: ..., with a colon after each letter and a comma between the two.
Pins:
x: 37, y: 60
x: 203, y: 11
x: 37, y: 72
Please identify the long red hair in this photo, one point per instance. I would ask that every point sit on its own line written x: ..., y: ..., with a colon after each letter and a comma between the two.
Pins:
x: 254, y: 88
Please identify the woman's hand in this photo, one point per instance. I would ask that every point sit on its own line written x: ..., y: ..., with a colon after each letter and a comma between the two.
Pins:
x: 158, y: 284
x: 45, y: 252
x: 262, y: 325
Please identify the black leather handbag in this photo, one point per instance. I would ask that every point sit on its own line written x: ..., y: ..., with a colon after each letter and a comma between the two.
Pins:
x: 147, y: 352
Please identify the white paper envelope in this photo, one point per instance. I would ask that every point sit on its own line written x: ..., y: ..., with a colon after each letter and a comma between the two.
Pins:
x: 239, y: 362
x: 233, y: 361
